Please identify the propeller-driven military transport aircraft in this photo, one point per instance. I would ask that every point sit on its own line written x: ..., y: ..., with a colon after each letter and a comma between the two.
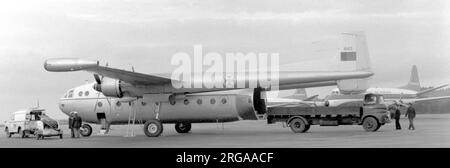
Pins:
x: 157, y: 99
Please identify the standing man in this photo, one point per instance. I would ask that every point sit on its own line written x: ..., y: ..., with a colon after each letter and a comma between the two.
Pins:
x: 397, y: 118
x: 76, y: 124
x: 411, y: 114
x: 71, y: 119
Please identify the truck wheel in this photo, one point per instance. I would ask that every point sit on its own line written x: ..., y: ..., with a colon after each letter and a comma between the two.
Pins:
x: 370, y: 124
x: 307, y: 128
x: 183, y: 127
x: 153, y: 128
x: 86, y: 130
x: 298, y: 125
x: 8, y: 134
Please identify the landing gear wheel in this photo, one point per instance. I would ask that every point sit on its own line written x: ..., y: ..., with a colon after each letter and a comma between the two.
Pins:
x: 183, y: 127
x: 60, y: 136
x: 298, y: 125
x: 8, y: 134
x: 371, y: 124
x: 86, y: 130
x: 153, y: 128
x: 39, y: 137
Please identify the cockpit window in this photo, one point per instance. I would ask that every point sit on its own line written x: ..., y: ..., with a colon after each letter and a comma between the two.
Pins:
x: 70, y: 94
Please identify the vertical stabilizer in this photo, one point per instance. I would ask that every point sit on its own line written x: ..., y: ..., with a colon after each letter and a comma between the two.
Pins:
x: 354, y: 56
x: 414, y: 83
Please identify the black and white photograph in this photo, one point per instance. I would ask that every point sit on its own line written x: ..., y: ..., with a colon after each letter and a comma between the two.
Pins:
x: 224, y: 74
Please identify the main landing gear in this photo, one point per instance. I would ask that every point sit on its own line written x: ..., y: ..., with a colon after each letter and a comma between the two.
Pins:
x: 183, y: 128
x: 154, y: 128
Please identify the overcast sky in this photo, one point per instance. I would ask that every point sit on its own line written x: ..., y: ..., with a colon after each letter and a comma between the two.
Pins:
x: 146, y: 34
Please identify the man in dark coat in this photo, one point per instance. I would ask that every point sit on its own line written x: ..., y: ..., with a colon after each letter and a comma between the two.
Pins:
x: 397, y: 115
x: 411, y: 114
x: 76, y: 124
x: 72, y: 133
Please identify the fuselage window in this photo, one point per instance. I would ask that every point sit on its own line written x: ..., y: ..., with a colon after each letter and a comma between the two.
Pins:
x: 86, y: 93
x: 213, y: 101
x: 224, y: 101
x: 100, y: 104
x: 199, y: 101
x: 80, y: 93
x: 186, y: 101
x: 70, y: 93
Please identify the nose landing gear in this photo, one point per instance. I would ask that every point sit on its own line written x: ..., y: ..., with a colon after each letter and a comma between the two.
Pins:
x: 86, y: 130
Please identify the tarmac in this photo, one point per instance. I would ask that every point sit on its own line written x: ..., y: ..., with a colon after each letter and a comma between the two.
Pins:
x: 432, y: 131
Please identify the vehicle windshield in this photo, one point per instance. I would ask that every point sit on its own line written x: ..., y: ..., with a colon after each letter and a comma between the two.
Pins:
x: 370, y: 99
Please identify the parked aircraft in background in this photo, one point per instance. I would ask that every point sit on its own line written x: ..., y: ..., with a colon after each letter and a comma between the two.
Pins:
x: 409, y: 93
x: 122, y: 96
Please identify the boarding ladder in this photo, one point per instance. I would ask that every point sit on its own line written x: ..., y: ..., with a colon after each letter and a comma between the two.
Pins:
x: 132, y: 119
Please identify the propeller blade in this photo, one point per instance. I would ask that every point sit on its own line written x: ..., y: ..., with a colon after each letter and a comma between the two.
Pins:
x: 97, y: 79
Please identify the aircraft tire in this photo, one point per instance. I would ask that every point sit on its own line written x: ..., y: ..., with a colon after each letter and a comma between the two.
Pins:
x: 183, y: 128
x: 370, y: 124
x: 86, y: 130
x: 298, y: 125
x: 153, y: 128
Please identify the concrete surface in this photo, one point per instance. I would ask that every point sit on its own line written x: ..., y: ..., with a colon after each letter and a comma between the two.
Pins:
x: 432, y: 130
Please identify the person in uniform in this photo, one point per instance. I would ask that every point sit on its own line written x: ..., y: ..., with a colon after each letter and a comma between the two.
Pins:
x: 76, y: 124
x: 397, y: 115
x: 411, y: 114
x: 71, y: 119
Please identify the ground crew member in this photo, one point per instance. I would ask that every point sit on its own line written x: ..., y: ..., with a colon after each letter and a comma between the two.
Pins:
x: 411, y: 114
x: 71, y: 117
x: 397, y: 119
x: 76, y: 124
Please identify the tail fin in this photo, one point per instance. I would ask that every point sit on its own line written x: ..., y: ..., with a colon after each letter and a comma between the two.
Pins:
x: 354, y: 56
x: 414, y: 83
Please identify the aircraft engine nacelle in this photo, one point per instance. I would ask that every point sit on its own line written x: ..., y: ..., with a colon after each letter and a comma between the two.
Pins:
x: 110, y: 88
x: 259, y: 100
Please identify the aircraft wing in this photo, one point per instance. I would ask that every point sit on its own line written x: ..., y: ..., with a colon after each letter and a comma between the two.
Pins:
x: 73, y: 64
x: 288, y: 78
x: 129, y: 76
x: 430, y: 90
x: 403, y: 102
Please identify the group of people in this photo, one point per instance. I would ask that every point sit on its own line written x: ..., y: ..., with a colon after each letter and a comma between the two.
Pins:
x: 74, y: 124
x: 410, y: 113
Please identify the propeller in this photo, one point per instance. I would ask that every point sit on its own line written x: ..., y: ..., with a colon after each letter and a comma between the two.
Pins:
x: 98, y: 85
